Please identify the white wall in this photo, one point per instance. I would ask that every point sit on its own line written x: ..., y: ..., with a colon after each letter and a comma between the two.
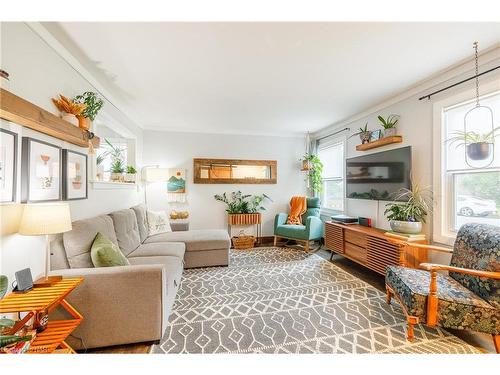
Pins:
x: 177, y: 150
x: 38, y: 73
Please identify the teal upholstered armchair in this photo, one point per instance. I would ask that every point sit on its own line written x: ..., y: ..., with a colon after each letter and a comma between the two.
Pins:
x: 467, y: 298
x: 310, y: 230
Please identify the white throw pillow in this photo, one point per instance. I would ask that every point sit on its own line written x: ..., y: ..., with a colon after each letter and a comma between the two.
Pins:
x: 158, y: 223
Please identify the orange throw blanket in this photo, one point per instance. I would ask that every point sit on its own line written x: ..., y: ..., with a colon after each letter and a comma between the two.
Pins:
x: 298, y: 206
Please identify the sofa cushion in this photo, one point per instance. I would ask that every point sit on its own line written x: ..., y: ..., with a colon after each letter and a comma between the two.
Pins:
x: 158, y: 223
x: 176, y: 249
x: 196, y: 240
x: 142, y: 224
x: 79, y: 239
x: 291, y: 231
x: 127, y: 230
x: 458, y: 307
x: 105, y: 253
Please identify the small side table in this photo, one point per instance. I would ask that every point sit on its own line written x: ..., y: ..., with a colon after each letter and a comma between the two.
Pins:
x: 53, y: 338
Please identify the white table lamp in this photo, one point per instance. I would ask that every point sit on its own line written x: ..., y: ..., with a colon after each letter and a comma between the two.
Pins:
x: 45, y: 219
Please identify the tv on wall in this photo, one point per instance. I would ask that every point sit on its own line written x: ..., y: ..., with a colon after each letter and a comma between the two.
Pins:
x: 378, y: 176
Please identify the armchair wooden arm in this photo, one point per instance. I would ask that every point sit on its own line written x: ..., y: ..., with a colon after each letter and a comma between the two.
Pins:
x: 429, y: 247
x: 432, y: 299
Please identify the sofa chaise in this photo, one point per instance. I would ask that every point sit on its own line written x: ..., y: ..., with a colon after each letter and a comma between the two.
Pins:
x: 130, y: 304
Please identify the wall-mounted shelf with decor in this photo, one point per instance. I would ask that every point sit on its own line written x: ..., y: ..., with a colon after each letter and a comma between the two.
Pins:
x: 20, y: 111
x: 379, y: 143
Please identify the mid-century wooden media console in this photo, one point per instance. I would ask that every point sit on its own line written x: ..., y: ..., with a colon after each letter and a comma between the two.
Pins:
x: 371, y: 247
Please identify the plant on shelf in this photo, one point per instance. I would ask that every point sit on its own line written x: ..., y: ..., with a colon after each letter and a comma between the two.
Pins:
x: 130, y: 173
x: 408, y: 216
x: 93, y: 105
x: 478, y: 146
x: 389, y: 124
x: 314, y: 172
x: 69, y: 109
x: 364, y: 134
x: 117, y: 169
x: 239, y: 203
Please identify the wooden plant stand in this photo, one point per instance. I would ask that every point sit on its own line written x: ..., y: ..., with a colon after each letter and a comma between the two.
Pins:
x: 246, y: 219
x: 52, y: 339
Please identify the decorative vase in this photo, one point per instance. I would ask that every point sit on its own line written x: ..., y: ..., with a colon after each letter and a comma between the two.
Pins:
x: 84, y: 123
x: 117, y: 177
x: 365, y: 137
x: 76, y: 185
x: 306, y: 165
x: 390, y: 132
x: 408, y: 227
x: 479, y: 150
x: 72, y: 119
x: 130, y: 177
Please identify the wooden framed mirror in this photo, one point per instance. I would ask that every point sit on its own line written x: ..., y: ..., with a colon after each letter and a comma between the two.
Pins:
x: 234, y: 171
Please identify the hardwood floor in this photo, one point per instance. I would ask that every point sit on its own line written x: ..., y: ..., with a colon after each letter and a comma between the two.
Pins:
x: 480, y: 341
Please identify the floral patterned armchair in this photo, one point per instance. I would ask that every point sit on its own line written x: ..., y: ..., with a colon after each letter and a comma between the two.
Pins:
x: 467, y: 298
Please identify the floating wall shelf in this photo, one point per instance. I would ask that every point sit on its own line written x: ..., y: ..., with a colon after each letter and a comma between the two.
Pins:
x: 20, y: 111
x: 379, y: 143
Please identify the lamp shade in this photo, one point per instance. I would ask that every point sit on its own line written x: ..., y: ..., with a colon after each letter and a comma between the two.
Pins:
x: 156, y: 174
x: 40, y: 219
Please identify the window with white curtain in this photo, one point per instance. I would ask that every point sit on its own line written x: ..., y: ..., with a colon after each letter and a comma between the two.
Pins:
x: 331, y: 155
x: 464, y: 194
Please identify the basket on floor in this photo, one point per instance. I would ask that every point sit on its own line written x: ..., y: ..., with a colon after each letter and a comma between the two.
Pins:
x: 243, y: 242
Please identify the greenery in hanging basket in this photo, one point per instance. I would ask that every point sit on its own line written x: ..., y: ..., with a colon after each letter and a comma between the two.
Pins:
x: 314, y: 173
x: 418, y: 204
x: 461, y: 137
x: 389, y: 122
x: 238, y: 203
x: 93, y: 104
x: 117, y: 166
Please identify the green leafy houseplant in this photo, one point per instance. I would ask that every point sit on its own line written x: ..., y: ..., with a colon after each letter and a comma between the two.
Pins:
x: 93, y: 102
x: 131, y: 169
x: 239, y: 203
x: 117, y: 166
x: 389, y: 124
x: 314, y: 172
x: 478, y: 146
x: 416, y: 206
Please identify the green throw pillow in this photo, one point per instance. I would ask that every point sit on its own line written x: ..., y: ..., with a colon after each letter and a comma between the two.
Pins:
x: 105, y: 253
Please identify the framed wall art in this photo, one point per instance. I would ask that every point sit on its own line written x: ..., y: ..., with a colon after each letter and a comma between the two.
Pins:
x: 375, y: 135
x: 74, y: 175
x: 8, y: 166
x: 40, y: 171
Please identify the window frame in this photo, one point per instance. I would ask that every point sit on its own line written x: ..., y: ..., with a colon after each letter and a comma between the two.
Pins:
x: 443, y: 181
x: 324, y: 145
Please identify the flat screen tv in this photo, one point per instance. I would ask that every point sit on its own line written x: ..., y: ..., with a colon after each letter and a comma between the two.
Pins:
x: 378, y: 176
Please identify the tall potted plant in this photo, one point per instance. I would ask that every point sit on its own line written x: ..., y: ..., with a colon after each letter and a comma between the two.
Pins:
x: 408, y: 216
x: 93, y: 105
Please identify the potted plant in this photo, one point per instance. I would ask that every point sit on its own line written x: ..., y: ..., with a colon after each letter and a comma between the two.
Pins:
x: 389, y: 124
x: 117, y: 169
x: 407, y: 217
x: 69, y: 109
x: 314, y: 170
x: 93, y: 105
x: 130, y: 174
x: 243, y: 209
x: 364, y: 134
x: 478, y: 146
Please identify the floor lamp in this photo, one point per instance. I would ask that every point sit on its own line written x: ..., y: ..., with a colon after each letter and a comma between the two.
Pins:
x: 151, y: 174
x: 45, y: 219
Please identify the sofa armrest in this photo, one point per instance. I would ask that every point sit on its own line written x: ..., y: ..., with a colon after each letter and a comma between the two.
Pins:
x: 119, y: 304
x: 280, y: 219
x: 314, y: 227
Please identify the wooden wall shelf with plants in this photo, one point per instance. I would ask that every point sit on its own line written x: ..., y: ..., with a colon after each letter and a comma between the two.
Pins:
x: 22, y: 112
x: 380, y: 142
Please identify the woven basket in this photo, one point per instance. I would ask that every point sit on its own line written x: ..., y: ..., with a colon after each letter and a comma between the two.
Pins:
x: 243, y: 242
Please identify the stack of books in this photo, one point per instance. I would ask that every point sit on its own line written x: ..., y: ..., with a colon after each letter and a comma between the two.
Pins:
x: 406, y: 237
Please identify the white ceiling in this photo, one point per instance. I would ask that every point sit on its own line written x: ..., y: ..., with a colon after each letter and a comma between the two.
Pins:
x: 263, y: 78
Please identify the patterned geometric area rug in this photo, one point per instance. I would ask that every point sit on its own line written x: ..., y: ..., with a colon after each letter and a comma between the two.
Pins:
x: 277, y: 300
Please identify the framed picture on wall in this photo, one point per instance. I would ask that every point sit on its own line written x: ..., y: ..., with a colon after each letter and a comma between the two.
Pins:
x: 74, y: 175
x: 8, y: 166
x: 375, y: 135
x: 40, y: 171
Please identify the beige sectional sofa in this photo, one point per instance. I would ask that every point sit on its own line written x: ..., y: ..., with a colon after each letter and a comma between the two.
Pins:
x: 131, y: 303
